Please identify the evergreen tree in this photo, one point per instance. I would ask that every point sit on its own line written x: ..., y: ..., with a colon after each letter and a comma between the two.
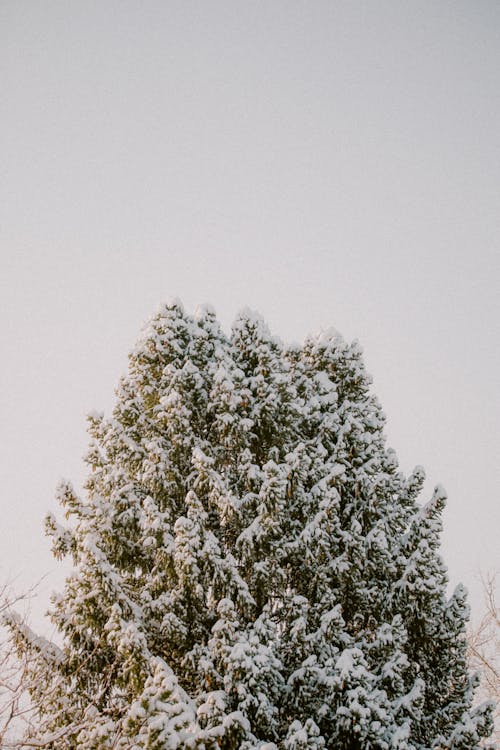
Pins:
x: 251, y: 570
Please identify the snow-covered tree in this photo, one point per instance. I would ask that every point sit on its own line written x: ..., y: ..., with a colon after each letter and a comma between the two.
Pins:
x: 251, y: 569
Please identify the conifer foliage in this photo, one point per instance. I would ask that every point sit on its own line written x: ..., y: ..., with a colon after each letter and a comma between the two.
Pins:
x: 251, y: 570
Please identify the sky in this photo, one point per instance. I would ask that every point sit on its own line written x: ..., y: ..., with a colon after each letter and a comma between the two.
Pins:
x: 325, y: 163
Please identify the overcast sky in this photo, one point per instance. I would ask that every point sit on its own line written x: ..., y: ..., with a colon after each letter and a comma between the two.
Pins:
x: 325, y: 163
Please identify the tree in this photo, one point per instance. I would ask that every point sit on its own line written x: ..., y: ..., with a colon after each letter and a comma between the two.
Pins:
x: 251, y: 570
x: 484, y: 648
x: 16, y: 709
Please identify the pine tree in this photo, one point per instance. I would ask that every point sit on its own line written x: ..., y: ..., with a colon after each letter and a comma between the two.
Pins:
x: 251, y: 570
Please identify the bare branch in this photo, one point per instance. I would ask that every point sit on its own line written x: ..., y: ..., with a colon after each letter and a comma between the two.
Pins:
x: 484, y: 646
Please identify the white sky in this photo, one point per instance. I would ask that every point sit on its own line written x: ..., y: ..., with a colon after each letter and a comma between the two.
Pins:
x: 326, y: 163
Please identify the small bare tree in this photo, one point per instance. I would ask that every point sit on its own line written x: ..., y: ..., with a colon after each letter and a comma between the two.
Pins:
x: 484, y: 647
x: 15, y: 708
